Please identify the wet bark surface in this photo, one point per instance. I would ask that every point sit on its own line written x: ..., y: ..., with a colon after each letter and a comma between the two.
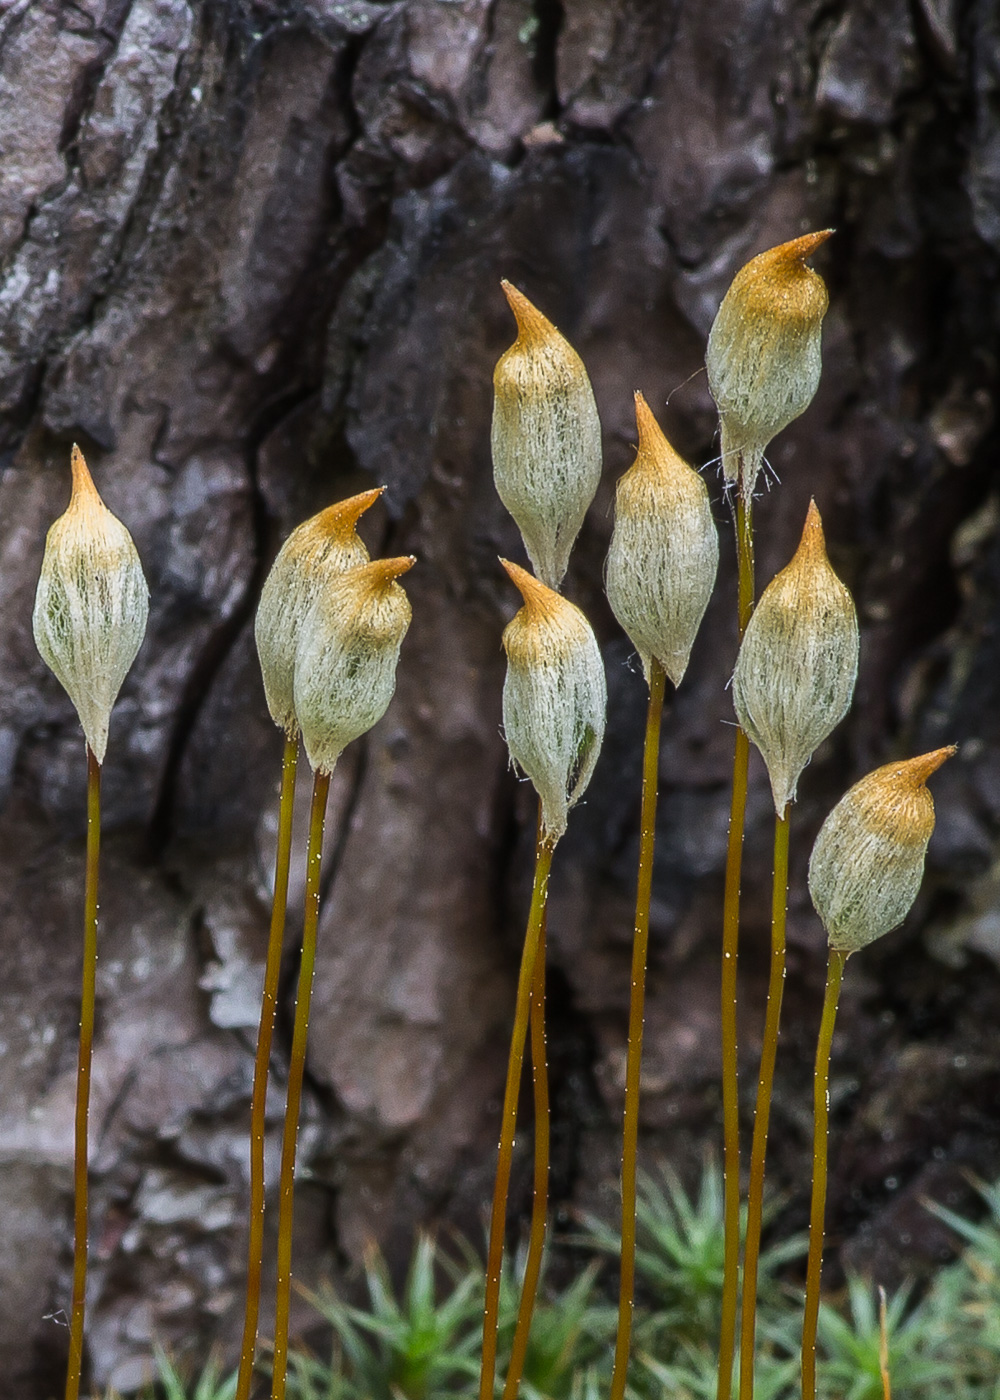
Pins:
x: 250, y: 261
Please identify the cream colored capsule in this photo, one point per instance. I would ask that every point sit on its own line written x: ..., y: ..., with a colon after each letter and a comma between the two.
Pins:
x: 546, y: 438
x: 798, y: 662
x: 664, y: 551
x: 345, y: 670
x: 554, y: 698
x: 91, y: 605
x: 315, y: 552
x: 763, y: 356
x: 868, y: 860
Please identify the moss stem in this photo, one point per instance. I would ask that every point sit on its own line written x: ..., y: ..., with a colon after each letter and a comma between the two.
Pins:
x: 765, y: 1083
x: 633, y: 1064
x: 730, y: 946
x: 821, y: 1129
x: 88, y: 1000
x: 296, y: 1072
x: 540, y: 1201
x: 265, y: 1035
x: 515, y: 1063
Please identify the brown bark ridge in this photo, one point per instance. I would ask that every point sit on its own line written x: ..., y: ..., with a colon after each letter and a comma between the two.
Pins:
x: 250, y: 261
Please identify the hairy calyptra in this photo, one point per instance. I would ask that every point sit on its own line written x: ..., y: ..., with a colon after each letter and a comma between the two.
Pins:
x: 798, y: 662
x: 868, y: 860
x: 345, y: 670
x: 763, y: 356
x: 664, y: 551
x: 91, y: 605
x: 315, y: 552
x: 546, y: 438
x: 554, y: 697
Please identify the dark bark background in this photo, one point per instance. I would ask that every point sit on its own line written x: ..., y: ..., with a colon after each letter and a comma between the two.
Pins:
x: 250, y: 261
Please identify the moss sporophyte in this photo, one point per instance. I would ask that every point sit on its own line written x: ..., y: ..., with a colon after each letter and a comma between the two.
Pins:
x: 91, y: 608
x: 315, y: 553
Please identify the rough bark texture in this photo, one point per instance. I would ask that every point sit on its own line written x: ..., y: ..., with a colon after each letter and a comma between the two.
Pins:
x: 250, y: 261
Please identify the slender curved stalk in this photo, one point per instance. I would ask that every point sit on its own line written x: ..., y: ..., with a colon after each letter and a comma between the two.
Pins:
x: 633, y: 1064
x: 540, y: 1202
x: 883, y: 1346
x: 265, y: 1034
x: 758, y: 1152
x: 515, y: 1063
x: 87, y: 1003
x: 730, y: 945
x: 821, y: 1128
x: 296, y: 1072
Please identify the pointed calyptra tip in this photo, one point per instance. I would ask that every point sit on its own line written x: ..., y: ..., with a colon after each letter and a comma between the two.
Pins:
x: 798, y: 249
x: 538, y: 599
x: 84, y: 489
x: 778, y: 283
x: 380, y: 573
x: 650, y: 436
x: 341, y: 518
x: 914, y: 772
x: 813, y: 541
x: 654, y: 448
x: 532, y: 326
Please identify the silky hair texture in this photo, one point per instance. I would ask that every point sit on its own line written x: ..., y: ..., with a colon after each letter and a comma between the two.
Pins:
x: 664, y: 551
x: 554, y: 698
x: 798, y: 662
x: 91, y: 605
x: 546, y: 438
x: 763, y: 358
x: 315, y: 553
x: 345, y: 671
x: 868, y: 860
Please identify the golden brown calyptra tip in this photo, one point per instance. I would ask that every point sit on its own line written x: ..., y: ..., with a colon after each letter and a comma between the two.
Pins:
x: 538, y: 599
x: 654, y: 451
x: 83, y: 483
x: 340, y: 519
x: 532, y: 326
x: 919, y: 769
x: 813, y: 541
x: 778, y: 282
x: 382, y: 572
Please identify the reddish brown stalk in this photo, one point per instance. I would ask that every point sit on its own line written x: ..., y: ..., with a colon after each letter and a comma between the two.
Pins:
x: 821, y: 1133
x: 515, y: 1064
x: 540, y: 1202
x: 296, y: 1074
x: 265, y: 1035
x: 637, y: 1002
x: 765, y: 1083
x: 87, y: 1005
x: 730, y: 946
